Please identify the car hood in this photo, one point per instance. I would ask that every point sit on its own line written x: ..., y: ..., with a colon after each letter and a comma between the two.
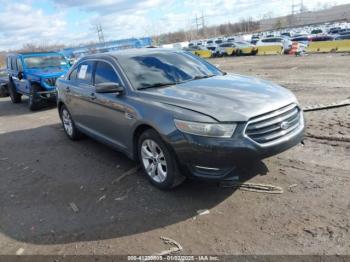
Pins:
x: 47, y: 72
x: 225, y: 98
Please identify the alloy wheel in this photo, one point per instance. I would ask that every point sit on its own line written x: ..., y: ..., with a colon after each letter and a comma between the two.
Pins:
x: 67, y: 122
x: 153, y: 160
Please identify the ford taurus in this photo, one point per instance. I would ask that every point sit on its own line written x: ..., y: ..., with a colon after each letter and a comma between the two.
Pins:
x: 177, y: 114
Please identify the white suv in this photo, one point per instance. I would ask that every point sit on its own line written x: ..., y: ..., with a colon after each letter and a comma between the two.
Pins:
x: 281, y: 41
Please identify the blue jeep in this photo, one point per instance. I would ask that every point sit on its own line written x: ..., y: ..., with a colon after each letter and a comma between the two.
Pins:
x: 34, y: 75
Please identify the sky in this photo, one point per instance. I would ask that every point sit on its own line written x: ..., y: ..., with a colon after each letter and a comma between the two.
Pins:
x: 72, y: 22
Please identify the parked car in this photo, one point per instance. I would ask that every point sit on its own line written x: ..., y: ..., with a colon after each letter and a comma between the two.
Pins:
x: 344, y: 31
x: 34, y: 75
x: 254, y: 41
x: 342, y: 37
x: 177, y: 114
x: 301, y: 40
x: 334, y: 30
x: 230, y: 39
x: 321, y: 38
x: 245, y: 48
x: 288, y: 34
x: 222, y: 49
x: 213, y: 46
x: 284, y: 42
x: 316, y: 31
x: 201, y: 51
x: 4, y: 83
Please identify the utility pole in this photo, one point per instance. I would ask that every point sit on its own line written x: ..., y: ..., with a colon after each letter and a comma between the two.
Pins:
x: 99, y: 30
x: 203, y: 24
x: 197, y: 24
x: 200, y: 23
x: 297, y: 7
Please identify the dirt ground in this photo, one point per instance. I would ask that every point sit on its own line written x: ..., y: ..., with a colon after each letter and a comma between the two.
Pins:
x: 42, y: 172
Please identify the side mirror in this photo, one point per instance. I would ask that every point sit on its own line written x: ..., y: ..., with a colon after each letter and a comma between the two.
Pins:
x: 109, y: 87
x: 20, y: 75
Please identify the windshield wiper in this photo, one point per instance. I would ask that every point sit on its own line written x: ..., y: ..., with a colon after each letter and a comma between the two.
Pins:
x: 158, y: 85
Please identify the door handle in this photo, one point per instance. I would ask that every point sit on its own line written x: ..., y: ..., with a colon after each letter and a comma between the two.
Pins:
x: 67, y: 89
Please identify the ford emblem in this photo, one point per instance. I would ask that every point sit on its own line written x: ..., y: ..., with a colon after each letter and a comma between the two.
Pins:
x: 285, y: 125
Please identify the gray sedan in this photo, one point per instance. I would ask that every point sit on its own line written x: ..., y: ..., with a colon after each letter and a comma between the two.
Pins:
x: 177, y: 114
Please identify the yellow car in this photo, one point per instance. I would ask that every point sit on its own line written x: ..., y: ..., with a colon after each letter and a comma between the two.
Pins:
x: 200, y: 51
x: 241, y: 48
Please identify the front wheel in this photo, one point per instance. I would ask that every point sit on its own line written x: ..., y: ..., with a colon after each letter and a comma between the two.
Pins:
x: 157, y: 161
x: 34, y: 99
x: 68, y: 124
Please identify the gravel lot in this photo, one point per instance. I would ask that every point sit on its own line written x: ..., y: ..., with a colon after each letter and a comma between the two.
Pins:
x: 42, y: 172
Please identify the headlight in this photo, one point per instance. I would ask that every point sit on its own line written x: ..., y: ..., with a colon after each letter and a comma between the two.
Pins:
x: 205, y: 129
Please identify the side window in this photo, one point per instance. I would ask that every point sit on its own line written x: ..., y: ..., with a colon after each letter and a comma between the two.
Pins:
x: 13, y: 63
x: 19, y: 65
x: 8, y: 62
x: 73, y: 74
x: 84, y: 73
x: 105, y: 73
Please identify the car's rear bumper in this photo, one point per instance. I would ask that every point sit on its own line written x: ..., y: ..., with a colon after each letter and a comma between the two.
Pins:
x: 216, y: 158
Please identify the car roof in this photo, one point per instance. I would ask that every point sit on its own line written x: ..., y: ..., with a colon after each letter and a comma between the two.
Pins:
x: 32, y: 53
x: 134, y: 51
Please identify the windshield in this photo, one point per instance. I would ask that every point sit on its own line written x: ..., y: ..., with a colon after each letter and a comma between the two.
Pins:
x: 45, y: 61
x: 165, y: 68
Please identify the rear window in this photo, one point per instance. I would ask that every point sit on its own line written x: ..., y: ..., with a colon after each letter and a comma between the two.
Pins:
x: 13, y: 63
x: 8, y: 62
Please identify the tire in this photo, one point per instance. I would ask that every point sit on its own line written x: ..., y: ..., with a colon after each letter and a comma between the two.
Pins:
x: 149, y: 142
x: 15, y: 97
x: 68, y: 124
x: 4, y: 91
x: 34, y: 101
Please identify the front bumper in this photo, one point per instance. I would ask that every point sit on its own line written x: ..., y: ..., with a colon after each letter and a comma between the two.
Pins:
x: 217, y: 158
x: 48, y: 94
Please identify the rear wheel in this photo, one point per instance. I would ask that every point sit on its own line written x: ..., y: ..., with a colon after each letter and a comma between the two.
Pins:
x: 4, y: 91
x: 15, y: 97
x: 157, y: 161
x: 34, y: 100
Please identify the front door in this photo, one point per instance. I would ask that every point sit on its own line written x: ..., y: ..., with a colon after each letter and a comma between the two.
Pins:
x: 109, y: 113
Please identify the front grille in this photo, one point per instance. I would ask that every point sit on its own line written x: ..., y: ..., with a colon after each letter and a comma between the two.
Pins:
x: 274, y: 125
x: 51, y: 81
